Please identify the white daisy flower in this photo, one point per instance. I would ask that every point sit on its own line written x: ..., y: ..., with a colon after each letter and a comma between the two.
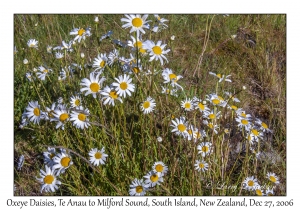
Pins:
x: 199, y: 104
x: 201, y: 166
x: 109, y: 95
x: 123, y: 85
x: 80, y: 118
x: 43, y: 72
x: 96, y: 19
x: 75, y: 101
x: 256, y: 134
x: 61, y: 116
x: 187, y: 104
x: 136, y: 44
x: 48, y: 156
x: 93, y: 85
x: 67, y: 46
x: 156, y: 51
x: 136, y: 22
x: 137, y: 188
x: 152, y: 179
x: 80, y: 33
x: 97, y: 156
x: 160, y: 168
x: 34, y: 113
x: 62, y: 162
x: 170, y: 77
x: 212, y: 126
x: 242, y: 114
x: 161, y: 25
x: 263, y: 126
x: 148, y: 105
x: 179, y: 127
x: 25, y: 61
x: 221, y: 77
x: 29, y: 76
x: 48, y: 180
x: 273, y: 178
x: 214, y: 99
x: 59, y: 55
x: 211, y: 115
x: 113, y: 57
x: 49, y: 49
x: 32, y: 43
x: 249, y: 183
x: 190, y: 131
x: 198, y: 134
x: 205, y: 148
x: 269, y: 192
x: 231, y: 97
x: 172, y: 92
x: 258, y: 190
x: 100, y: 62
x: 243, y: 123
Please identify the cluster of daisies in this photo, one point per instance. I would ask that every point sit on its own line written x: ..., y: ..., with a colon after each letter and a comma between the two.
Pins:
x: 251, y: 184
x: 56, y: 164
x: 139, y: 187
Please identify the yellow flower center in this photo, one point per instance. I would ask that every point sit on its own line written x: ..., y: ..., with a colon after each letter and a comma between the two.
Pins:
x: 81, y: 117
x: 201, y: 106
x: 136, y: 70
x: 181, y: 127
x: 137, y: 22
x: 264, y: 125
x: 154, y: 178
x: 81, y: 31
x: 190, y: 131
x: 138, y: 44
x: 45, y: 71
x: 244, y: 122
x: 157, y: 50
x: 123, y: 85
x: 226, y: 130
x: 77, y: 102
x: 187, y: 105
x: 269, y: 194
x: 139, y: 189
x: 273, y: 179
x: 159, y: 168
x: 210, y: 125
x: 98, y: 155
x: 255, y: 132
x: 221, y: 99
x: 250, y: 183
x: 205, y: 149
x: 212, y: 116
x: 63, y: 117
x: 198, y: 135
x: 36, y: 112
x: 201, y: 165
x: 65, y: 161
x: 173, y: 77
x: 216, y: 101
x: 219, y: 76
x: 95, y: 87
x: 142, y: 50
x: 146, y: 104
x: 48, y: 179
x: 102, y: 64
x: 113, y: 94
x: 258, y: 192
x: 243, y: 114
x: 234, y: 107
x: 50, y: 114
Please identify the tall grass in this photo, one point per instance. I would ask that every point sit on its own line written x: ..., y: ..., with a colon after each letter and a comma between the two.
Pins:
x: 250, y: 48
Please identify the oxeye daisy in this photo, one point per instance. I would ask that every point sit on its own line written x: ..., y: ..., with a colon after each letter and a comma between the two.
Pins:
x: 49, y: 49
x: 179, y: 127
x: 75, y: 101
x: 198, y: 134
x: 113, y: 56
x: 263, y: 126
x: 148, y: 105
x: 137, y: 188
x: 199, y: 104
x: 243, y: 123
x: 160, y: 168
x: 201, y: 166
x: 49, y: 155
x: 169, y: 91
x: 48, y: 180
x: 231, y: 97
x: 160, y: 25
x: 170, y: 77
x: 109, y: 95
x: 100, y: 62
x: 187, y: 104
x: 92, y: 85
x: 59, y: 55
x: 212, y: 126
x: 136, y: 22
x: 43, y: 72
x: 152, y: 179
x: 80, y: 118
x: 249, y: 183
x: 269, y: 192
x: 242, y: 114
x: 255, y: 134
x: 216, y: 100
x: 61, y: 116
x: 48, y: 115
x: 80, y: 33
x: 32, y: 43
x: 34, y: 113
x: 67, y: 46
x: 97, y: 156
x: 136, y: 44
x: 205, y: 148
x: 221, y: 77
x: 29, y: 76
x: 273, y: 178
x: 123, y: 85
x: 211, y: 115
x: 156, y: 51
x: 258, y: 190
x: 62, y: 162
x: 190, y: 132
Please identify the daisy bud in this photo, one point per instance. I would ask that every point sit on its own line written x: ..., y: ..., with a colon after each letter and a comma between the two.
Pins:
x: 172, y: 37
x: 82, y: 55
x: 96, y: 19
x: 25, y: 61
